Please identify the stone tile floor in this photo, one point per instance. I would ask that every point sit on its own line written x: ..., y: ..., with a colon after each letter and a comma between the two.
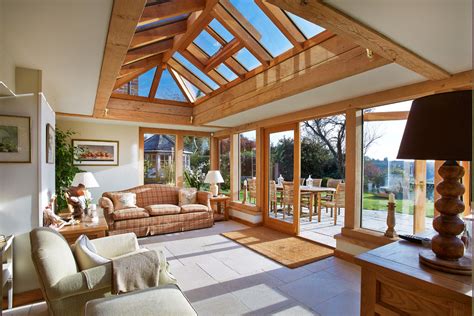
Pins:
x: 221, y: 277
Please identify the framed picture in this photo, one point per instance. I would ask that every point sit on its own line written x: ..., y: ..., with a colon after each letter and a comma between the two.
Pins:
x: 96, y: 152
x: 50, y: 143
x: 15, y: 139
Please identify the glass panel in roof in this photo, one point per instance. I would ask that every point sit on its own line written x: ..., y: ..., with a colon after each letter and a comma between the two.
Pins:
x: 193, y: 89
x: 196, y: 71
x: 272, y: 39
x: 207, y: 43
x: 246, y: 59
x: 308, y: 28
x: 168, y: 88
x: 221, y: 30
x: 226, y: 72
x: 144, y: 83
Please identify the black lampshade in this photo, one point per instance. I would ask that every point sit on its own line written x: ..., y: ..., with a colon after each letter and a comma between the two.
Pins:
x: 439, y: 127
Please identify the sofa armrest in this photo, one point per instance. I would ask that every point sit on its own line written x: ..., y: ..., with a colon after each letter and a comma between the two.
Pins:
x: 107, y: 205
x: 204, y: 198
x: 83, y: 282
x: 116, y: 245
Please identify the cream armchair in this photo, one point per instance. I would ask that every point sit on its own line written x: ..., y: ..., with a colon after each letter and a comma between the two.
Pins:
x: 65, y: 288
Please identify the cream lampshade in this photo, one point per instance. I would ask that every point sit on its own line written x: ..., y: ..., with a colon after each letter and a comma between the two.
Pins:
x: 213, y: 177
x: 87, y: 179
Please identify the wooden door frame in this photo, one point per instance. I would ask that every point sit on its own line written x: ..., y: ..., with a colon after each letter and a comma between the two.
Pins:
x: 289, y: 228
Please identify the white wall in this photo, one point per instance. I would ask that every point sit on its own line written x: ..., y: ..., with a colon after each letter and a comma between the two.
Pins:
x: 7, y: 66
x: 110, y: 178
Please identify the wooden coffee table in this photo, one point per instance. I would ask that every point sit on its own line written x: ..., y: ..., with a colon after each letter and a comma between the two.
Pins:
x: 91, y: 230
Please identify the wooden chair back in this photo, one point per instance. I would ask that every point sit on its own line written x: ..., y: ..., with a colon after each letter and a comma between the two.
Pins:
x: 302, y: 181
x: 273, y: 192
x: 340, y: 197
x: 332, y: 183
x: 317, y: 182
x: 288, y: 192
x: 252, y: 187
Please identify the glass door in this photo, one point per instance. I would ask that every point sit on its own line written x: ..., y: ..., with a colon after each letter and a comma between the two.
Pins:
x: 282, y: 173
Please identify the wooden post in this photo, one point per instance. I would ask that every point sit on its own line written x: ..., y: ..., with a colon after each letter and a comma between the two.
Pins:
x: 141, y: 156
x: 234, y: 167
x: 260, y: 168
x: 179, y: 169
x: 420, y: 197
x: 390, y: 232
x: 214, y: 153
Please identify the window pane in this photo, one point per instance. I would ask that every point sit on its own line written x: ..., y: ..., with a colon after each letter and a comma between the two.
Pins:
x: 144, y: 82
x: 196, y: 71
x: 308, y: 28
x: 412, y: 182
x: 221, y: 30
x: 271, y: 37
x: 226, y: 72
x: 159, y: 162
x: 224, y: 164
x: 207, y: 43
x: 246, y: 59
x: 247, y: 161
x: 196, y: 161
x: 168, y: 88
x: 130, y: 87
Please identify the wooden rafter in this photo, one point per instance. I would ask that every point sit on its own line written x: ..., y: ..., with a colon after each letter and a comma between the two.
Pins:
x: 283, y: 23
x: 235, y: 66
x: 226, y: 52
x: 171, y: 8
x: 149, y: 61
x: 182, y: 85
x: 233, y: 26
x: 148, y: 50
x: 214, y: 75
x: 229, y: 7
x: 123, y: 21
x: 336, y: 60
x: 216, y: 36
x: 156, y: 81
x: 340, y: 23
x: 158, y: 33
x: 195, y: 80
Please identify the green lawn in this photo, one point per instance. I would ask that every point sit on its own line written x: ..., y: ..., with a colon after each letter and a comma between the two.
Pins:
x: 373, y: 202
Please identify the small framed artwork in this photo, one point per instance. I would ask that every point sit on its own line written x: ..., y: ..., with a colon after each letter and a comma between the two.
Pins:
x: 15, y: 139
x: 96, y: 152
x: 50, y: 143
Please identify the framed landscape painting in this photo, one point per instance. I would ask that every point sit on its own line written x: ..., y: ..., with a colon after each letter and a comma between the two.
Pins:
x: 15, y: 139
x: 96, y: 152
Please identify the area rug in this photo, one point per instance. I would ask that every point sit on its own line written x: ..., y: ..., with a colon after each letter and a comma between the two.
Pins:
x: 290, y: 251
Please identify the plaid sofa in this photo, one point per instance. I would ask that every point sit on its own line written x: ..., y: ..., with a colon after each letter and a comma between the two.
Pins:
x: 157, y: 212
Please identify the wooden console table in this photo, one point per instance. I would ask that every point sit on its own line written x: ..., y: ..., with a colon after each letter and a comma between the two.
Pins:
x: 395, y: 283
x: 6, y: 277
x: 91, y: 230
x: 222, y: 204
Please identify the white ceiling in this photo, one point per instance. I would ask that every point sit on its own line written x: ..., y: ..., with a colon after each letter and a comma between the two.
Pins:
x: 63, y: 38
x: 437, y: 30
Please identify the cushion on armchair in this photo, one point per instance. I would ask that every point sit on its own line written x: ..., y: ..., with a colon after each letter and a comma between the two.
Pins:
x: 163, y: 209
x: 129, y: 213
x: 86, y: 254
x: 192, y: 208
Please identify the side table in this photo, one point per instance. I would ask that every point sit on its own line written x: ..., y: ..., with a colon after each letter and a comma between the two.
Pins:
x: 222, y: 207
x: 6, y: 278
x: 91, y: 230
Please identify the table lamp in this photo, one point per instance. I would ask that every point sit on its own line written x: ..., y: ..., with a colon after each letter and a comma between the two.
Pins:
x: 214, y: 177
x: 439, y: 127
x: 86, y: 179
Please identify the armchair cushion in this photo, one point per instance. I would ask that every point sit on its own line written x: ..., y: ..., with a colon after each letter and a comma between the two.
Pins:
x: 86, y: 254
x: 129, y: 213
x: 192, y: 208
x: 163, y: 209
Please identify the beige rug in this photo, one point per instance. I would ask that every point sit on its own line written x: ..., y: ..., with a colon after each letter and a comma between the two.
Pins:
x: 290, y: 251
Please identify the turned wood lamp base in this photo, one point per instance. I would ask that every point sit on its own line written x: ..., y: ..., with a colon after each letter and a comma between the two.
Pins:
x: 461, y: 266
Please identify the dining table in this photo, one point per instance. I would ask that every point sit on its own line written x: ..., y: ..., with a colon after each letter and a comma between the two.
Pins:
x: 314, y: 192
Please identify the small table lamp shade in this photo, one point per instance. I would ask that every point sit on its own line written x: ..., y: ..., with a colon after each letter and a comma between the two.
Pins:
x: 439, y: 127
x: 87, y: 179
x: 213, y: 177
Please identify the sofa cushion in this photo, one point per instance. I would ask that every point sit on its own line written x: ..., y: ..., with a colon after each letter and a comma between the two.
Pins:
x: 163, y: 209
x: 187, y: 196
x: 86, y: 254
x: 129, y: 213
x: 192, y: 208
x: 124, y: 200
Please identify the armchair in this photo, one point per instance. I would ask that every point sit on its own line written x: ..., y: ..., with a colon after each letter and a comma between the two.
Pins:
x: 65, y: 288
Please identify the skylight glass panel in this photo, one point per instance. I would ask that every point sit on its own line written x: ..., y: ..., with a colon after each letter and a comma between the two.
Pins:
x: 196, y: 71
x: 308, y: 28
x: 221, y: 30
x: 272, y: 39
x: 144, y: 82
x: 168, y: 88
x: 226, y: 72
x: 207, y: 43
x: 246, y: 59
x: 193, y: 89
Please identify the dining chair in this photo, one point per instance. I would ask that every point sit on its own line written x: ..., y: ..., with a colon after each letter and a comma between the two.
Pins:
x: 329, y: 196
x: 252, y: 187
x: 337, y: 203
x: 317, y: 182
x: 273, y: 197
x: 302, y: 181
x: 288, y: 198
